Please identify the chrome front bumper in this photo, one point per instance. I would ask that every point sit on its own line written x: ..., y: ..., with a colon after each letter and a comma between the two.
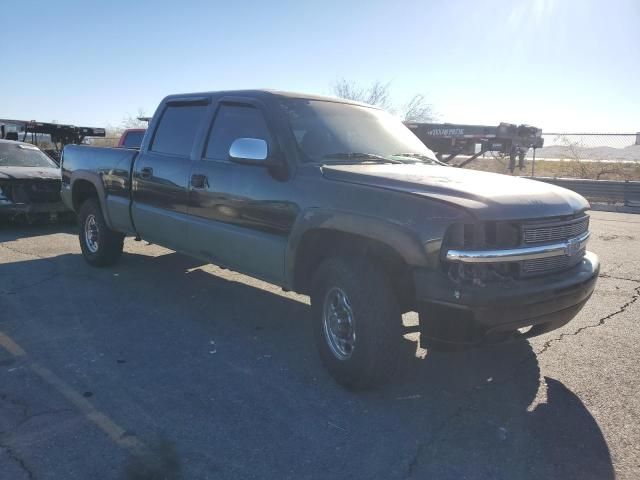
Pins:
x: 568, y: 247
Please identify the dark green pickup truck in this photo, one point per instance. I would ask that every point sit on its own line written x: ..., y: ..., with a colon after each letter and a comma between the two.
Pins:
x: 342, y: 202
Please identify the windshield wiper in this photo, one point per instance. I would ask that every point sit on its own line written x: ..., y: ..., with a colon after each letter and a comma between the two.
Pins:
x: 420, y: 156
x: 369, y: 157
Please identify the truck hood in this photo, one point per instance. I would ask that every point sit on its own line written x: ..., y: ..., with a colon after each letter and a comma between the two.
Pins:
x: 488, y: 196
x: 26, y: 173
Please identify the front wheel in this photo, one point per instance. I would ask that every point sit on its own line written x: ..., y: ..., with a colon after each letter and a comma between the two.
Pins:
x: 100, y: 245
x: 357, y: 322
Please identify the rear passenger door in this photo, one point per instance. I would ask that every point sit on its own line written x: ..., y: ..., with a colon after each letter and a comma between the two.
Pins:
x: 161, y: 173
x: 241, y: 215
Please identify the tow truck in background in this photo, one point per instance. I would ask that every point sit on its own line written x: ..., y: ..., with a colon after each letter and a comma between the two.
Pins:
x: 55, y: 135
x: 449, y: 140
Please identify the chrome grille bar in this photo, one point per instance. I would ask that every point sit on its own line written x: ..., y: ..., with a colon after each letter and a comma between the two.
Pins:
x: 569, y: 248
x: 541, y: 265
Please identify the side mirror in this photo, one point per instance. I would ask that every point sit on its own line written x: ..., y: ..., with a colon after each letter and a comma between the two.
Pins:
x: 249, y: 151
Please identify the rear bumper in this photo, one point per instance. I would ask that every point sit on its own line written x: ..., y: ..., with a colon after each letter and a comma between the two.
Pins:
x: 473, y: 314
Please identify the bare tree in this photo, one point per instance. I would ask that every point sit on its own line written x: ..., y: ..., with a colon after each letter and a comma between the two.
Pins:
x: 418, y: 110
x: 130, y: 121
x: 379, y: 94
x: 585, y: 168
x: 113, y: 133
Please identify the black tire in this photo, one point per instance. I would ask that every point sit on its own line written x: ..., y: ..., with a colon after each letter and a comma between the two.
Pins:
x: 107, y: 243
x: 377, y: 321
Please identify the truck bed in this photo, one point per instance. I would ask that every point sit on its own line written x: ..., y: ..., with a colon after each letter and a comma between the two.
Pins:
x: 110, y: 169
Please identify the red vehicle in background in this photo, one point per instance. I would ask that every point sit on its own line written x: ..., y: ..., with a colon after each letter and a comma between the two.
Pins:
x: 132, y: 138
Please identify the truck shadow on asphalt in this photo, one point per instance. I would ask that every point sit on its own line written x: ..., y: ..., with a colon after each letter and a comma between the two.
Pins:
x: 14, y: 230
x: 227, y: 376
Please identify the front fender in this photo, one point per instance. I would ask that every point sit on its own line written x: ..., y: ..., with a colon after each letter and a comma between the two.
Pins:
x: 398, y: 237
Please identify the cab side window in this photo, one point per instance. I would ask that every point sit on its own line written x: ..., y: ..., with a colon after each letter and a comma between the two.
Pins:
x: 177, y: 129
x: 233, y: 122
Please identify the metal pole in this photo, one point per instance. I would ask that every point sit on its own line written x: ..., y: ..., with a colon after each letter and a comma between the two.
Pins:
x: 533, y: 163
x: 625, y: 193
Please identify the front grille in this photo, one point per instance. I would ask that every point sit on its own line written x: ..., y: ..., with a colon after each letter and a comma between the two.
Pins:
x: 513, y: 235
x: 544, y: 265
x: 35, y: 191
x: 555, y: 231
x: 552, y: 232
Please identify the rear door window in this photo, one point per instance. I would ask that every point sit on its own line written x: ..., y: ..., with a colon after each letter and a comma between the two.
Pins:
x: 178, y: 128
x: 233, y: 122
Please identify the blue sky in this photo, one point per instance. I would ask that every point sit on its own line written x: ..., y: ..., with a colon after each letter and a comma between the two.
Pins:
x: 557, y: 64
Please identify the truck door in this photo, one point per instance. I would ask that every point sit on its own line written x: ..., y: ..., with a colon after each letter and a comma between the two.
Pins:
x: 241, y: 215
x: 161, y: 174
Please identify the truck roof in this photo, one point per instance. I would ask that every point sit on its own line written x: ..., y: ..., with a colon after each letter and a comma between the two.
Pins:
x: 262, y: 93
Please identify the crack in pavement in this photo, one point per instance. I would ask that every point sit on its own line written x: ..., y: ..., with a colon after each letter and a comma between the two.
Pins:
x: 15, y: 250
x: 422, y: 447
x: 602, y: 321
x: 26, y: 416
x: 413, y: 463
x: 5, y: 397
x: 468, y: 405
x: 471, y: 396
x: 11, y: 453
x: 30, y: 417
x: 606, y: 275
x: 29, y: 285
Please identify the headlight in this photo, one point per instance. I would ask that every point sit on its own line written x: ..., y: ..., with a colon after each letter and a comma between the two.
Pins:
x: 482, y: 235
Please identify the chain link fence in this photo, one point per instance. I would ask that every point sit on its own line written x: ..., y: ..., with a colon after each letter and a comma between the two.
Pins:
x: 592, y: 156
x: 601, y: 147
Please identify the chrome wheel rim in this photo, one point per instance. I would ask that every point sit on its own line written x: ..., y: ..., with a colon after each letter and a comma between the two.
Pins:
x: 91, y: 233
x: 338, y: 324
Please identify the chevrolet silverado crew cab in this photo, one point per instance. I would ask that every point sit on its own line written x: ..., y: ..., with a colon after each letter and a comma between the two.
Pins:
x: 340, y: 201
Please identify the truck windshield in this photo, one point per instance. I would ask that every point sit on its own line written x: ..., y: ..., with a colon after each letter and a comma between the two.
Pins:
x: 21, y: 155
x: 329, y: 130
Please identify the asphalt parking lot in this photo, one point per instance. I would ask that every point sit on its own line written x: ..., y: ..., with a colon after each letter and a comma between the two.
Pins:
x: 162, y: 364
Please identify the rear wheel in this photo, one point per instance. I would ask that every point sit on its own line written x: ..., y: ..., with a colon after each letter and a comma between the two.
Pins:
x: 357, y: 322
x: 100, y: 245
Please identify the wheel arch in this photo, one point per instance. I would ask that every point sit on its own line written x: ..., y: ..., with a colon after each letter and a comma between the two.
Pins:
x: 85, y: 185
x: 328, y: 234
